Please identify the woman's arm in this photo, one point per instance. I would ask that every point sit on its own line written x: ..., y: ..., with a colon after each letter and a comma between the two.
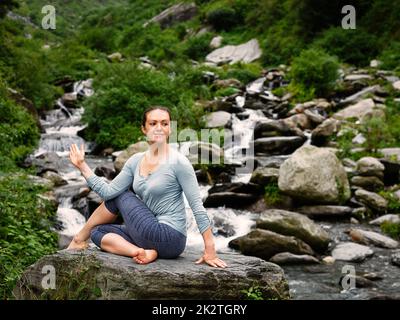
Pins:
x: 210, y: 255
x: 188, y: 181
x: 104, y: 189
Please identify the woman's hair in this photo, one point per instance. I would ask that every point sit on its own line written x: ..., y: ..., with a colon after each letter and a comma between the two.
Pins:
x: 154, y: 108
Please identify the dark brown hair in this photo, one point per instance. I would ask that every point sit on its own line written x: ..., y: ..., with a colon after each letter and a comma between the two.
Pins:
x: 144, y: 118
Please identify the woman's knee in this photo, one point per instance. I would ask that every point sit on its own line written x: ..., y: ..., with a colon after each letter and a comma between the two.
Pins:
x: 96, y: 235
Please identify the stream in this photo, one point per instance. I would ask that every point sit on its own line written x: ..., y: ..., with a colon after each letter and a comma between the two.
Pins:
x: 319, y: 281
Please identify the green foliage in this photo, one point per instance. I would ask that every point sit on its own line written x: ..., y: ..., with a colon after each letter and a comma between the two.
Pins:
x: 25, y: 234
x: 352, y: 46
x: 198, y: 47
x: 314, y: 72
x: 393, y: 201
x: 390, y: 57
x: 226, y: 92
x: 123, y: 91
x: 391, y: 229
x: 253, y: 293
x: 272, y: 194
x: 18, y: 134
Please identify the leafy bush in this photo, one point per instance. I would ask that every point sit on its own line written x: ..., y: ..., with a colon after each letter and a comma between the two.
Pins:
x: 353, y: 46
x: 18, y: 133
x: 198, y: 47
x: 390, y: 57
x: 25, y: 234
x: 314, y: 71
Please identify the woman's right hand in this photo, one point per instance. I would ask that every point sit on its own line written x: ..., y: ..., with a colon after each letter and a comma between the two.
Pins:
x: 76, y: 155
x: 77, y: 244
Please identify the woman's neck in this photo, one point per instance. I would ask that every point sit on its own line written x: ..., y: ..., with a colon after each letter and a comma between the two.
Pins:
x: 159, y: 151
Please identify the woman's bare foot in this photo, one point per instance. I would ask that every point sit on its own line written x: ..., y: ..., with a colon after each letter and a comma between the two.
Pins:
x: 145, y: 256
x: 77, y: 244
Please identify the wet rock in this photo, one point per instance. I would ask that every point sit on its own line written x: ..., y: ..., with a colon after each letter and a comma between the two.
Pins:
x: 277, y: 145
x: 229, y: 199
x: 396, y: 85
x: 348, y: 251
x: 314, y: 174
x: 324, y: 131
x: 285, y: 258
x: 216, y: 42
x: 55, y: 178
x: 324, y: 211
x: 265, y: 244
x: 369, y: 183
x: 300, y: 121
x: 264, y: 176
x: 271, y: 161
x: 371, y: 200
x: 294, y: 224
x: 106, y: 171
x: 372, y: 238
x: 205, y: 152
x: 70, y: 100
x: 39, y: 181
x: 273, y: 128
x: 328, y: 260
x: 114, y: 277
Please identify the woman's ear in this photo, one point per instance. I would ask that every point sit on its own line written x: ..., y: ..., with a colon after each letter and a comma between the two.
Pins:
x: 143, y: 129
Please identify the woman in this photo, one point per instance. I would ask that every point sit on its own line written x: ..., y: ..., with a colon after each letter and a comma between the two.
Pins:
x: 154, y: 224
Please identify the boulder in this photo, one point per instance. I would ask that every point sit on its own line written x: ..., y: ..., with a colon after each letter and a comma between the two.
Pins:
x: 352, y: 252
x: 373, y: 238
x: 218, y: 119
x: 265, y: 244
x: 55, y: 178
x: 396, y: 85
x: 392, y: 218
x: 314, y: 174
x: 264, y: 176
x: 140, y: 146
x: 371, y: 200
x: 229, y: 199
x: 294, y: 224
x: 358, y: 110
x: 115, y: 57
x: 93, y: 274
x: 326, y: 129
x: 246, y: 52
x: 177, y: 13
x: 277, y: 145
x: 370, y: 183
x: 369, y: 166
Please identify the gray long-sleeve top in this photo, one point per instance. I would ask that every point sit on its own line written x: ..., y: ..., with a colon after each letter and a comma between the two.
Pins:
x: 161, y: 191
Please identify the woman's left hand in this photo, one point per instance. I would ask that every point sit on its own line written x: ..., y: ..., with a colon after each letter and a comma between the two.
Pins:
x: 212, y: 260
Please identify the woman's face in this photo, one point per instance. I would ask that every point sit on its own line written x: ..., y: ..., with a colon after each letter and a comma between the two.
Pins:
x: 157, y: 127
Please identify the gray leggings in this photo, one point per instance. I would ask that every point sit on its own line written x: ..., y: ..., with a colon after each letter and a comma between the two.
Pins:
x: 141, y: 227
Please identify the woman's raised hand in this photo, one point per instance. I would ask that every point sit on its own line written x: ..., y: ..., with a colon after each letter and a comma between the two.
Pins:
x: 76, y: 155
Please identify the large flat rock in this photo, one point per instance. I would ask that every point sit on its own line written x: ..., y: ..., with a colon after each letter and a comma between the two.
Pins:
x: 93, y: 274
